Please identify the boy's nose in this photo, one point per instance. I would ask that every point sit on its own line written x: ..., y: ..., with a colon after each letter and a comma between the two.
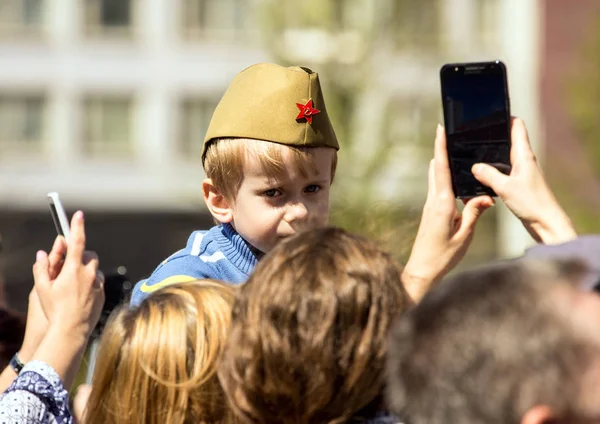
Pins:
x: 296, y: 212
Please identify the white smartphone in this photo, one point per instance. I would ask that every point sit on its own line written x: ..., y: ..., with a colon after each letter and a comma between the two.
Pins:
x: 59, y: 216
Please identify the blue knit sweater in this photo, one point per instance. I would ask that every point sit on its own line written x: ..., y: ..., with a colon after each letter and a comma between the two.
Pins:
x: 219, y: 253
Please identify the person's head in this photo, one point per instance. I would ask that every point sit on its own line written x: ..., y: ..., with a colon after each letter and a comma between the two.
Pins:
x: 309, y: 331
x: 270, y: 155
x: 510, y: 343
x: 157, y: 363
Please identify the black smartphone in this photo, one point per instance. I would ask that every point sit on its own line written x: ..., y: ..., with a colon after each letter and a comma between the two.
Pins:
x: 477, y: 120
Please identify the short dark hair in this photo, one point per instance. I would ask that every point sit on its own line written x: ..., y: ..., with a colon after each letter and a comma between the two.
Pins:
x: 309, y: 331
x: 486, y: 346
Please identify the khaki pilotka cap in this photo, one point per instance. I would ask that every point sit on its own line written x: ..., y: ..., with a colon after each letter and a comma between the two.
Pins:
x: 273, y: 103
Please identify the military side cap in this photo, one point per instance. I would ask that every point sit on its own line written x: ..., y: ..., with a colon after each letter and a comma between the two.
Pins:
x: 273, y: 103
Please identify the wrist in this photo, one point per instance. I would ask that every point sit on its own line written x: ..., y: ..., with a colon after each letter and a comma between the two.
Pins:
x: 416, y: 284
x: 75, y: 338
x: 27, y: 350
x: 555, y: 229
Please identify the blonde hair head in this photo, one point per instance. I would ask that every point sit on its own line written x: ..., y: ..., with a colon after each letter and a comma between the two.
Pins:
x: 225, y: 158
x: 157, y: 363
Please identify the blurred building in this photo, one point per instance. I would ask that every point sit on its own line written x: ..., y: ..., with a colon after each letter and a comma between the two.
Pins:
x: 107, y: 101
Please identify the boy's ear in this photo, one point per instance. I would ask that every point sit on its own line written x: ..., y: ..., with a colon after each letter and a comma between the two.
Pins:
x: 218, y: 206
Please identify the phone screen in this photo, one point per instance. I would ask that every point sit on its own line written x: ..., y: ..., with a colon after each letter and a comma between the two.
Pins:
x: 477, y: 119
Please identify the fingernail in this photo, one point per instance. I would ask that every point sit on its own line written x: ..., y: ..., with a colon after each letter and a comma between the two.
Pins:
x: 40, y: 255
x: 79, y: 216
x: 476, y: 168
x: 439, y: 128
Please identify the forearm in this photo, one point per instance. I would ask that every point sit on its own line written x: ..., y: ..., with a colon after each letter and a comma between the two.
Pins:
x: 6, y: 378
x: 62, y: 350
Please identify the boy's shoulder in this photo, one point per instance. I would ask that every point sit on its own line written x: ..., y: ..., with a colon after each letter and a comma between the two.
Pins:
x: 200, y: 244
x: 204, y: 256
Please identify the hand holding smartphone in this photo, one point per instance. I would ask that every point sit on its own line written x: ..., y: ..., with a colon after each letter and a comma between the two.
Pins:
x: 477, y: 119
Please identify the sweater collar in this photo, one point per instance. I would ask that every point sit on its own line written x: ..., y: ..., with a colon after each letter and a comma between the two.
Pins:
x: 237, y: 250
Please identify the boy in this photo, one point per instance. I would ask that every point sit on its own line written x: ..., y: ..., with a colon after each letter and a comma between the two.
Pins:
x: 270, y: 155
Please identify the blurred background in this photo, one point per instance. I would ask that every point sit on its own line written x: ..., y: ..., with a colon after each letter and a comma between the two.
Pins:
x: 107, y: 102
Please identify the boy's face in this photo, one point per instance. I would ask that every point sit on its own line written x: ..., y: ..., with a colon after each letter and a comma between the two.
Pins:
x: 267, y: 210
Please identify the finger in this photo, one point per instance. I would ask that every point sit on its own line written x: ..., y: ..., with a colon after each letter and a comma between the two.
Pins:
x: 56, y: 256
x: 431, y: 180
x: 92, y: 264
x: 77, y: 239
x: 41, y: 276
x: 474, y: 208
x: 520, y: 145
x: 490, y: 177
x: 99, y: 280
x: 443, y: 180
x: 89, y: 256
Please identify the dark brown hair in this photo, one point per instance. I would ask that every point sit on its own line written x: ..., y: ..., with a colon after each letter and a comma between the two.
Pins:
x: 12, y: 331
x: 486, y: 346
x: 309, y: 331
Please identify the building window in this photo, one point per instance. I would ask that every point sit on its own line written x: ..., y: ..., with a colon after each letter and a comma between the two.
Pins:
x: 194, y: 119
x: 107, y: 126
x: 21, y: 17
x: 108, y: 17
x: 214, y: 18
x: 21, y: 123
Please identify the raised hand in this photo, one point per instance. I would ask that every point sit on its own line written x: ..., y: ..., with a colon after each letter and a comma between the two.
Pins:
x: 444, y: 234
x: 526, y: 192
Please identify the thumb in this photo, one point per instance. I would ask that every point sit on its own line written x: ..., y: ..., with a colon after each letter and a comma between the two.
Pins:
x: 474, y: 208
x: 41, y: 273
x: 489, y: 176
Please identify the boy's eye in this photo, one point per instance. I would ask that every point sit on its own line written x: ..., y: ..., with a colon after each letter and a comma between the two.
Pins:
x: 272, y: 192
x: 313, y: 188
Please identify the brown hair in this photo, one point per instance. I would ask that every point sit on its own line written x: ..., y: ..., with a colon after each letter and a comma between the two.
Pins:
x: 486, y: 346
x: 308, y: 336
x: 157, y: 362
x: 225, y: 159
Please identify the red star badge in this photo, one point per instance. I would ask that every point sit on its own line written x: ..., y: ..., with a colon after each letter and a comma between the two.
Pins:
x: 307, y: 111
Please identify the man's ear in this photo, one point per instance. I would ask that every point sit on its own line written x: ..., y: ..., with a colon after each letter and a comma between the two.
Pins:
x: 539, y: 414
x: 218, y: 206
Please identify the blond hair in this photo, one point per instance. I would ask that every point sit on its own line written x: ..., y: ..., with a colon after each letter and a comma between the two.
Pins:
x: 225, y: 158
x: 157, y: 363
x: 308, y: 339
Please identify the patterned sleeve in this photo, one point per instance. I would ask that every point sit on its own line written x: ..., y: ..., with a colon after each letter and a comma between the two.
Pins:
x: 36, y: 396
